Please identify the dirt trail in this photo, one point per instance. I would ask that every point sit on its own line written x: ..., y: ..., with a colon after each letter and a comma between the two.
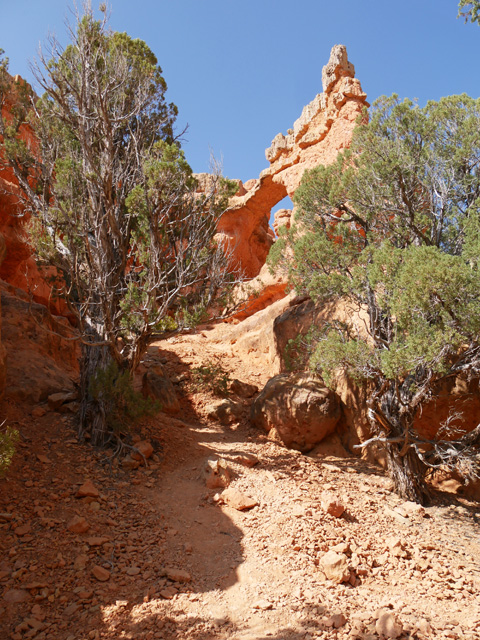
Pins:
x: 183, y: 565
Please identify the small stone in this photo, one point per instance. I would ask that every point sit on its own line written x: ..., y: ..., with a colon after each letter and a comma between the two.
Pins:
x: 168, y: 593
x: 178, y: 575
x: 217, y: 474
x: 336, y: 621
x: 262, y: 605
x: 100, y: 573
x: 129, y: 463
x: 424, y: 626
x: 78, y: 524
x: 22, y: 530
x: 71, y: 609
x: 225, y: 411
x: 43, y: 458
x: 388, y: 627
x: 335, y: 566
x: 396, y: 547
x: 133, y: 571
x: 97, y: 541
x: 246, y: 459
x: 145, y: 449
x: 411, y: 509
x: 87, y: 490
x: 38, y: 412
x: 56, y: 400
x: 14, y: 596
x: 243, y: 389
x: 238, y: 500
x: 80, y: 562
x: 332, y: 505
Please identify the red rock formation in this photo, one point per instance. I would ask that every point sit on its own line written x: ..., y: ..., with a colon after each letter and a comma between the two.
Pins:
x: 323, y: 129
x: 18, y: 266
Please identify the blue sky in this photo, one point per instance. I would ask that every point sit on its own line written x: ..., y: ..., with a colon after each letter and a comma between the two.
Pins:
x: 241, y: 71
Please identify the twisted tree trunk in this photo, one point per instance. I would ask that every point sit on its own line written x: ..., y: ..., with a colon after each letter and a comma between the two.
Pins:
x: 93, y: 410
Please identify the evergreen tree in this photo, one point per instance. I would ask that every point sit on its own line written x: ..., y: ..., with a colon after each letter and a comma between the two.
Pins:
x: 392, y: 231
x: 112, y: 200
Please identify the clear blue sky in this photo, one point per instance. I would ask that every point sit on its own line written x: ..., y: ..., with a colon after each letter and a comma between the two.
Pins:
x: 240, y: 71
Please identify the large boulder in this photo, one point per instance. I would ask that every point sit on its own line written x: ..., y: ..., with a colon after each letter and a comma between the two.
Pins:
x: 299, y: 407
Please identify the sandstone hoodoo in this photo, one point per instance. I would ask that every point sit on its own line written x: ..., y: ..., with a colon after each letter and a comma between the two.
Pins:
x: 323, y: 129
x: 300, y: 409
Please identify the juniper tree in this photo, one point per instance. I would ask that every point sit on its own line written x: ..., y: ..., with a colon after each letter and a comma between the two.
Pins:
x: 112, y: 200
x: 470, y: 10
x: 392, y: 231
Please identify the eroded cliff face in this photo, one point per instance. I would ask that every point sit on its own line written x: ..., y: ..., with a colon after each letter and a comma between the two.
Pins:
x: 324, y: 128
x: 17, y: 263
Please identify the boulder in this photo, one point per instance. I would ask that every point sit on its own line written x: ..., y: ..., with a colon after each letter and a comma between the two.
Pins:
x: 225, y: 411
x: 300, y: 408
x: 157, y: 386
x: 242, y: 389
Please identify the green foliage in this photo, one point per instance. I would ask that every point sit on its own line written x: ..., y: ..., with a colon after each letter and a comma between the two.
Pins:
x: 211, y: 377
x: 470, y: 10
x: 125, y: 405
x: 8, y: 440
x: 114, y: 200
x: 299, y: 350
x: 391, y: 233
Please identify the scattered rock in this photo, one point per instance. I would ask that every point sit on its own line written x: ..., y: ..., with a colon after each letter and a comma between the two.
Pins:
x: 225, y: 411
x: 168, y: 593
x: 335, y: 566
x: 14, y: 596
x: 78, y: 524
x: 246, y: 459
x: 396, y: 547
x: 262, y: 605
x: 411, y: 509
x: 100, y: 573
x: 238, y: 500
x: 145, y: 449
x: 332, y: 506
x: 97, y: 541
x: 129, y: 463
x: 336, y: 621
x: 387, y: 626
x: 87, y: 490
x: 80, y: 562
x: 56, y: 400
x: 22, y: 530
x: 38, y: 412
x: 217, y: 474
x: 242, y: 389
x: 178, y: 575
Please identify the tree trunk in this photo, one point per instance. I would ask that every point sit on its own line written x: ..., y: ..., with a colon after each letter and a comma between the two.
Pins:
x: 408, y: 474
x: 93, y: 411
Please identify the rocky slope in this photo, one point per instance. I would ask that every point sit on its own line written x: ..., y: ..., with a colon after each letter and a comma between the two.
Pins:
x: 325, y: 549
